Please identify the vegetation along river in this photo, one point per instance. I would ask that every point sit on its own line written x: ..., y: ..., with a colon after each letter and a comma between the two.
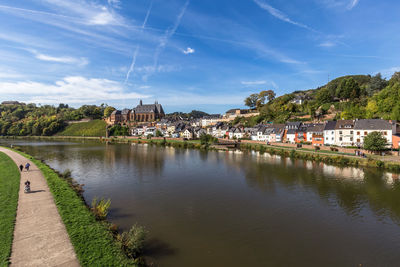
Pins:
x: 237, y: 209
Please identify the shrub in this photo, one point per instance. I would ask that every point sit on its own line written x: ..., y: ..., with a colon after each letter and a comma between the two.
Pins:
x: 100, y: 209
x: 132, y: 242
x: 380, y: 164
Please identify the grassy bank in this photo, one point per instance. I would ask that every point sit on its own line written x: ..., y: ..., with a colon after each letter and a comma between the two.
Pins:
x: 92, y: 128
x: 93, y: 240
x: 9, y: 187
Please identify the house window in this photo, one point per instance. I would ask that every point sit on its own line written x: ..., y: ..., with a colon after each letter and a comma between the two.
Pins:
x: 340, y: 132
x: 333, y: 132
x: 358, y: 133
x: 351, y: 132
x: 384, y: 133
x: 340, y: 138
x: 333, y: 138
x: 365, y: 133
x: 351, y: 139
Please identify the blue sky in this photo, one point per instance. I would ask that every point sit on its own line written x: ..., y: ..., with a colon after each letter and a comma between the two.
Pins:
x: 188, y: 54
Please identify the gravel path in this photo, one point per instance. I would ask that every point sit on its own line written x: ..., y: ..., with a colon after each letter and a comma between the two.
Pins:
x: 40, y: 237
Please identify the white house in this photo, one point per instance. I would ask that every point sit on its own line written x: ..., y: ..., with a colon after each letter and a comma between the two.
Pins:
x: 364, y: 127
x: 329, y: 133
x: 344, y: 133
x: 291, y: 136
x: 187, y: 133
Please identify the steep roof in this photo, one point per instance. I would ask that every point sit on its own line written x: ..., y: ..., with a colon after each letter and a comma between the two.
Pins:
x: 344, y: 124
x: 372, y: 124
x: 125, y: 111
x: 330, y: 125
x: 149, y: 108
x: 317, y: 128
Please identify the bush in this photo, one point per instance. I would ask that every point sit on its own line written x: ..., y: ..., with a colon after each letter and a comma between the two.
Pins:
x: 100, y: 209
x: 380, y: 164
x: 132, y: 242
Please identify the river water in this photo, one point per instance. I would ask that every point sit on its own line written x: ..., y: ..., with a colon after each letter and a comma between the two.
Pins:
x: 237, y: 209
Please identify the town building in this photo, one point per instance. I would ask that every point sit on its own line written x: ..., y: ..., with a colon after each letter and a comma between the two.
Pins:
x: 147, y: 112
x: 344, y: 133
x: 329, y: 133
x: 364, y: 127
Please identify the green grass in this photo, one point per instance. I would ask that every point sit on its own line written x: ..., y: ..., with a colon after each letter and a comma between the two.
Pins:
x: 91, y: 128
x: 9, y: 187
x: 92, y: 240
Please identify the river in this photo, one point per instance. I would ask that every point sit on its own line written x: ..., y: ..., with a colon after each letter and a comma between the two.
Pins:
x: 237, y: 209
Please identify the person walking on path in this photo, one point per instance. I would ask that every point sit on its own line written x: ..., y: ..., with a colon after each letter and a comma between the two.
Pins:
x: 21, y: 167
x: 27, y: 166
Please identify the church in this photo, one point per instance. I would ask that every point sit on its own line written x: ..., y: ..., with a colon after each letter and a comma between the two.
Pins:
x: 141, y: 113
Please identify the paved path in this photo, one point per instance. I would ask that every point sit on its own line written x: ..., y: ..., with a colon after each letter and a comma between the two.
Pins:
x: 40, y: 237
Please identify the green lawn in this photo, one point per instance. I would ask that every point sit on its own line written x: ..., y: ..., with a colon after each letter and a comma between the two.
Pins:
x: 9, y: 187
x: 92, y: 240
x: 91, y: 128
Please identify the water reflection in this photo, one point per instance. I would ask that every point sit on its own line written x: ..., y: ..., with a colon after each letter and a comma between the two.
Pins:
x: 203, y: 207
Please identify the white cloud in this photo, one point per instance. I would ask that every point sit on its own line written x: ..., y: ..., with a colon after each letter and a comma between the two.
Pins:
x: 260, y: 82
x: 250, y: 83
x: 327, y: 44
x: 188, y: 51
x: 160, y: 69
x: 90, y: 12
x: 280, y: 15
x: 72, y: 89
x: 67, y: 60
x: 352, y: 4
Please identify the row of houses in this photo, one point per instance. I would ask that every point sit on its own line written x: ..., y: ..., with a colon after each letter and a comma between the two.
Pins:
x: 341, y: 133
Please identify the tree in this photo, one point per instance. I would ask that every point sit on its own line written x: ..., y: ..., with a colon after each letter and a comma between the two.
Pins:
x: 375, y: 142
x: 251, y: 101
x: 108, y: 110
x: 159, y: 133
x: 324, y: 96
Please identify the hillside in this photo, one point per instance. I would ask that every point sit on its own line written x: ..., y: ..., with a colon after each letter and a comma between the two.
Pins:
x: 29, y: 119
x: 347, y: 97
x: 92, y: 128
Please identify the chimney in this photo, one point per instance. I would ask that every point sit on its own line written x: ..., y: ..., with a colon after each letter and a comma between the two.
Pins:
x: 141, y: 103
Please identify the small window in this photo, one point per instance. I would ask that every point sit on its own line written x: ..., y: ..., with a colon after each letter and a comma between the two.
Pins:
x: 384, y: 133
x: 365, y: 133
x: 340, y: 132
x: 351, y: 132
x: 358, y: 133
x: 340, y: 138
x: 351, y: 138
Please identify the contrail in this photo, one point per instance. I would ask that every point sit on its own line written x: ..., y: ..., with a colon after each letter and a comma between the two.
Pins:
x: 168, y: 34
x: 132, y: 67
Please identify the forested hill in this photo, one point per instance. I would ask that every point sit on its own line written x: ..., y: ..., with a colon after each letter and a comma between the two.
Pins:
x: 30, y: 119
x: 347, y: 97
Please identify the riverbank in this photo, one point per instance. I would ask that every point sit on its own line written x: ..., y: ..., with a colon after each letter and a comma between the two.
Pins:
x: 328, y: 157
x: 9, y: 187
x: 93, y: 240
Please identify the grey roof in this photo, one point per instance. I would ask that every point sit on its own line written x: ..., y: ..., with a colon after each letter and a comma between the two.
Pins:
x: 116, y: 112
x: 156, y: 108
x: 291, y: 124
x: 125, y: 111
x: 291, y: 131
x: 344, y: 124
x: 330, y: 125
x: 317, y: 128
x: 372, y: 124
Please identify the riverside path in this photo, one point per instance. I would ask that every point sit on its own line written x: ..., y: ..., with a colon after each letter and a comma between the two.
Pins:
x: 40, y: 237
